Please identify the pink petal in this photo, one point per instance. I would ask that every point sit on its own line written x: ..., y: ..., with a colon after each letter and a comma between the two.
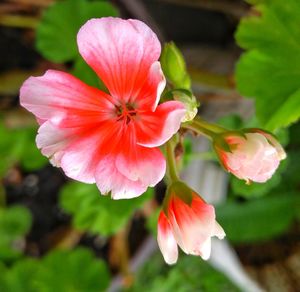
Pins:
x: 146, y: 165
x: 205, y: 249
x: 166, y: 240
x: 109, y: 179
x: 64, y: 100
x: 120, y: 51
x: 148, y: 96
x: 219, y: 231
x: 75, y: 150
x: 155, y: 128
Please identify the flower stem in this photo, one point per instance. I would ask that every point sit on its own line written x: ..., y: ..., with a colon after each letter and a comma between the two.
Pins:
x: 203, y: 127
x: 171, y: 162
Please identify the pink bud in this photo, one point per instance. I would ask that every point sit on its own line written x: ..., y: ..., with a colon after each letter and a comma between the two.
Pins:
x: 191, y: 223
x: 253, y: 157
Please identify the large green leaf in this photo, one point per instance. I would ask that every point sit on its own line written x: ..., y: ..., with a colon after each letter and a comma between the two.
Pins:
x: 21, y: 276
x: 56, y: 34
x: 76, y: 271
x: 95, y: 213
x: 15, y: 222
x: 270, y: 70
x: 18, y: 145
x: 61, y: 271
x: 260, y: 219
x: 189, y: 274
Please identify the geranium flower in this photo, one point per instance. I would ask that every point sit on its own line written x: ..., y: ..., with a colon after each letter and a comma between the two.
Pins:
x: 107, y: 139
x: 188, y: 221
x: 254, y: 156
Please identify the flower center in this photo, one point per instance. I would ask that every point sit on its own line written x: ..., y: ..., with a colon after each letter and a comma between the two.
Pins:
x: 125, y: 112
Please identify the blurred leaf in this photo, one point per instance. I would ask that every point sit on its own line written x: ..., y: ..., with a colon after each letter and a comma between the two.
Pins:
x: 270, y: 70
x: 231, y: 122
x: 18, y: 145
x: 74, y: 270
x: 95, y: 213
x: 21, y: 277
x: 15, y: 222
x: 189, y: 274
x: 152, y: 222
x: 260, y: 219
x: 56, y: 34
x: 61, y: 271
x: 86, y: 74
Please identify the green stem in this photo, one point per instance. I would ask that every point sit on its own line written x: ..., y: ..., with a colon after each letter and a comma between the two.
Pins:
x: 171, y: 162
x: 203, y: 127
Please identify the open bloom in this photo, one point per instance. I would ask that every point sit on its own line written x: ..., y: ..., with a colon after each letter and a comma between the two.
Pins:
x: 254, y: 156
x: 107, y: 139
x: 187, y: 221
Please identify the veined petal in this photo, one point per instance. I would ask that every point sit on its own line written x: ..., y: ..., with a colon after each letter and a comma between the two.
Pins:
x: 65, y: 100
x: 149, y: 95
x: 146, y: 165
x: 77, y: 151
x: 155, y: 128
x: 109, y: 179
x: 120, y: 51
x: 166, y: 241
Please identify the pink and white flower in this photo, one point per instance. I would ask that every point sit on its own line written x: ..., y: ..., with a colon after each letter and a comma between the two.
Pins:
x: 188, y: 222
x: 254, y: 156
x: 108, y: 139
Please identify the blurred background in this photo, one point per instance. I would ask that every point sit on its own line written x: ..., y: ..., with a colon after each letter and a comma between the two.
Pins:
x: 61, y: 235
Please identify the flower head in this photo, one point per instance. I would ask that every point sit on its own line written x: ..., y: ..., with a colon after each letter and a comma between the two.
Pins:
x: 188, y: 221
x: 253, y: 156
x: 107, y: 139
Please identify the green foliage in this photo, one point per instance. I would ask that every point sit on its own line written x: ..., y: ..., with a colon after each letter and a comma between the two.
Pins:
x: 189, y: 274
x: 270, y: 70
x: 60, y: 271
x: 15, y: 222
x: 174, y: 68
x: 95, y: 213
x: 86, y: 74
x: 260, y: 219
x: 75, y: 270
x: 56, y: 34
x: 20, y: 277
x: 18, y: 145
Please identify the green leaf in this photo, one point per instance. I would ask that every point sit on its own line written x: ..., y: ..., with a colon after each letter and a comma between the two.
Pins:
x: 22, y: 276
x: 260, y: 219
x: 15, y: 222
x: 18, y: 145
x: 189, y: 274
x: 56, y: 34
x: 95, y: 213
x: 86, y: 74
x: 61, y: 271
x: 270, y: 70
x: 76, y: 270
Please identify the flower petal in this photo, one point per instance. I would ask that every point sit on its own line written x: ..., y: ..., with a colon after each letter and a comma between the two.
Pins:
x: 146, y: 165
x: 109, y: 179
x: 155, y: 128
x: 65, y: 100
x: 120, y: 51
x: 149, y: 95
x: 205, y: 249
x: 166, y: 241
